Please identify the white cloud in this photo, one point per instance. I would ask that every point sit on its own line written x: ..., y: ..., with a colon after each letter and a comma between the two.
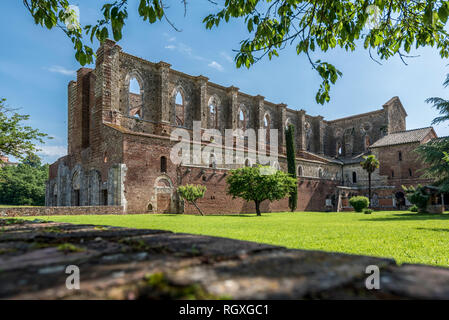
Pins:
x: 216, y: 65
x: 227, y: 57
x: 62, y: 70
x: 188, y: 51
x: 52, y: 151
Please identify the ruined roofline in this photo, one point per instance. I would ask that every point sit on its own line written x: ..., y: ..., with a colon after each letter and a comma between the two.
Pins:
x: 269, y: 103
x: 209, y: 83
x: 409, y: 130
x: 392, y: 100
x: 360, y: 115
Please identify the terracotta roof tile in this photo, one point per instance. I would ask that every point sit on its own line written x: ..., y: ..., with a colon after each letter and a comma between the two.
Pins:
x: 415, y: 135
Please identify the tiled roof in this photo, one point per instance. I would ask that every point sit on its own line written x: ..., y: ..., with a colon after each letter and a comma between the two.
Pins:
x: 415, y: 135
x: 354, y: 159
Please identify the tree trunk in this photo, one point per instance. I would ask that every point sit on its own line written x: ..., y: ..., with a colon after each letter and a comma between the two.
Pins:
x: 194, y: 203
x: 369, y: 189
x: 257, y: 208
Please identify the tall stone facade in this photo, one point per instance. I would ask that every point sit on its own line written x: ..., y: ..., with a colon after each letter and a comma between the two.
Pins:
x: 119, y: 142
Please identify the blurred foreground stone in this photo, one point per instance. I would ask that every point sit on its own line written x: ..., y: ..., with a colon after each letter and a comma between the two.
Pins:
x: 122, y: 263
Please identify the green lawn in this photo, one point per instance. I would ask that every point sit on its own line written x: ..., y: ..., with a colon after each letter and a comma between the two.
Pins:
x: 404, y: 236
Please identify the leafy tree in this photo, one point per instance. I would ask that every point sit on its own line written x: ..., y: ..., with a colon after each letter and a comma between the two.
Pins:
x: 17, y: 139
x: 192, y: 193
x: 291, y: 163
x: 417, y: 196
x: 23, y: 184
x: 387, y: 27
x: 441, y: 104
x: 259, y: 183
x: 359, y: 203
x: 434, y: 153
x: 370, y: 164
x: 33, y: 161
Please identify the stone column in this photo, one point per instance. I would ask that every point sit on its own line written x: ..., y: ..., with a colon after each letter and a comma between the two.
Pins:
x: 320, y: 135
x: 116, y: 185
x: 202, y: 115
x: 300, y: 132
x: 233, y: 106
x: 106, y: 69
x: 71, y: 103
x: 164, y: 98
x: 259, y: 111
x: 282, y: 107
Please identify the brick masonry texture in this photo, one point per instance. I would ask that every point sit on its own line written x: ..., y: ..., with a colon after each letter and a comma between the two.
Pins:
x: 122, y: 263
x: 118, y: 140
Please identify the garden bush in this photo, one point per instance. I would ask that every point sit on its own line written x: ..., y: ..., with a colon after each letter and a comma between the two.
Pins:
x: 414, y: 208
x: 367, y: 211
x: 191, y: 193
x: 359, y: 203
x: 417, y: 196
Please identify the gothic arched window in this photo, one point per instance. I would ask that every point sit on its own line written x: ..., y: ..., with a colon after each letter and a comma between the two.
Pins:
x: 266, y: 126
x: 163, y: 164
x: 179, y: 109
x: 135, y: 99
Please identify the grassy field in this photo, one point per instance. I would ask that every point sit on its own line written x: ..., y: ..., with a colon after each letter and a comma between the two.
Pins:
x: 404, y: 236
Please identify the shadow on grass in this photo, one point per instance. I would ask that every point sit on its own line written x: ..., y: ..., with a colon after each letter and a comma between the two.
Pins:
x: 213, y: 215
x: 411, y: 217
x: 434, y: 229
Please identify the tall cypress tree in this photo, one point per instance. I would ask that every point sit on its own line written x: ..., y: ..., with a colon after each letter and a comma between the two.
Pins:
x: 291, y: 164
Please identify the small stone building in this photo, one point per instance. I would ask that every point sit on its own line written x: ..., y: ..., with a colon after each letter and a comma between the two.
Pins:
x: 121, y: 115
x: 4, y: 161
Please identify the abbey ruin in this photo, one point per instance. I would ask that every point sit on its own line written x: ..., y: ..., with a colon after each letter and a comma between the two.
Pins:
x: 119, y: 143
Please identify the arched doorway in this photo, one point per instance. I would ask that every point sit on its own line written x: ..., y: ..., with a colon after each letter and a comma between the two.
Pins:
x: 163, y: 195
x: 400, y: 199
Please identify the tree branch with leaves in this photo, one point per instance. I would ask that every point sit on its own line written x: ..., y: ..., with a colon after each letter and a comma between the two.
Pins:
x: 387, y: 27
x: 16, y: 139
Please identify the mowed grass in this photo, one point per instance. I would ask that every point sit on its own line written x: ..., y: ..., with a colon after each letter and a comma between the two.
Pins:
x: 404, y: 236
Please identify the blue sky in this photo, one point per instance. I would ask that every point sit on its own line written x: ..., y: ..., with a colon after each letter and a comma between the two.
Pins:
x: 36, y: 65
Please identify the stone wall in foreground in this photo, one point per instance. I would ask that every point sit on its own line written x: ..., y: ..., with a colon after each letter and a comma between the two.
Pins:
x: 122, y: 263
x: 52, y: 211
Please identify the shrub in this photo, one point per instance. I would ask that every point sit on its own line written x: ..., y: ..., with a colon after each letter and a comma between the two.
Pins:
x: 417, y: 196
x: 414, y: 208
x: 359, y: 203
x: 367, y: 211
x: 191, y: 193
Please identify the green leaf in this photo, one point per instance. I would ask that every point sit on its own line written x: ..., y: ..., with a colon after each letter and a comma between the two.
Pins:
x: 443, y: 13
x: 428, y: 15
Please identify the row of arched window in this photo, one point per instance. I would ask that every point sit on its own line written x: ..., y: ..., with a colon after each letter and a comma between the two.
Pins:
x: 135, y: 100
x: 339, y: 146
